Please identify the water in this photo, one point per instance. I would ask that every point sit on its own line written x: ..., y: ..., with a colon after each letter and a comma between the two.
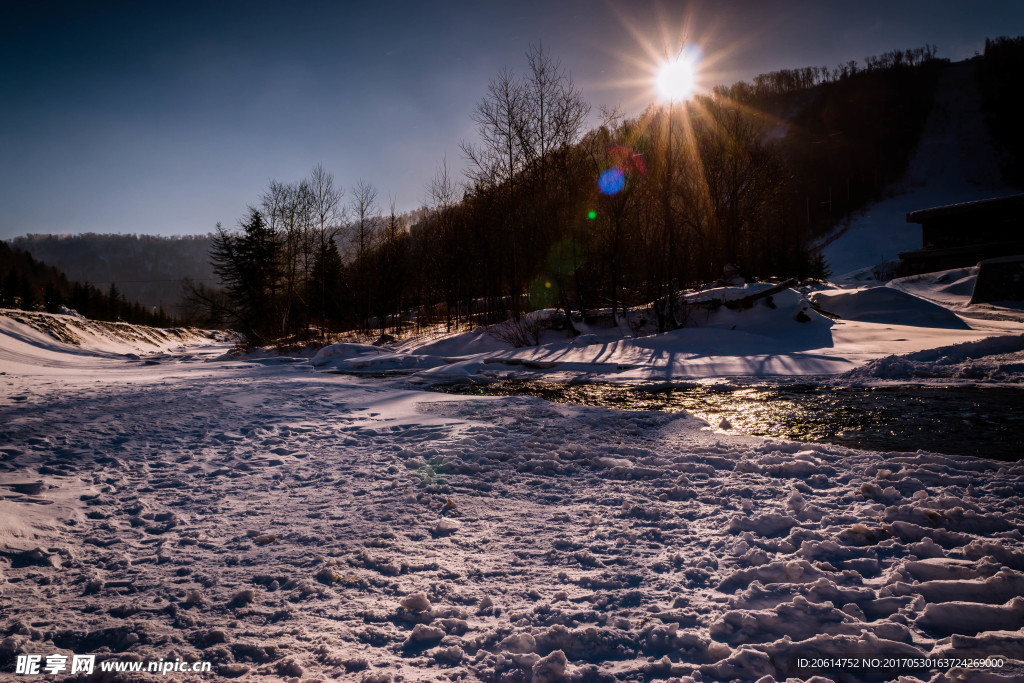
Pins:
x: 981, y: 421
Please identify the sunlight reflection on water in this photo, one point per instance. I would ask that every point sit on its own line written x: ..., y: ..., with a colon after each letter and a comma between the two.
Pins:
x: 982, y: 421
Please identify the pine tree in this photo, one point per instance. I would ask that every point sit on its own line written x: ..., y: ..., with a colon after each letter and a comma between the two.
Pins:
x: 325, y: 283
x: 819, y: 269
x: 249, y: 266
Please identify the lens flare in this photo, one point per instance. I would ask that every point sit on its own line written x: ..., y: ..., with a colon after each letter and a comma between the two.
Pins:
x: 591, y: 215
x: 676, y: 78
x: 612, y: 181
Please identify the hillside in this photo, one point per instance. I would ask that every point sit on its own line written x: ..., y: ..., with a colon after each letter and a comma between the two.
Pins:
x: 955, y: 161
x: 146, y: 268
x: 31, y: 285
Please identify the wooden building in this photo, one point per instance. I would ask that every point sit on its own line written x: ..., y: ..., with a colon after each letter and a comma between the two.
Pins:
x: 961, y: 235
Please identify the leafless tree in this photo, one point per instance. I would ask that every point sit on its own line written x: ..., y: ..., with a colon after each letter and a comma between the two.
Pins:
x: 499, y: 115
x: 554, y: 110
x: 364, y: 228
x: 325, y: 203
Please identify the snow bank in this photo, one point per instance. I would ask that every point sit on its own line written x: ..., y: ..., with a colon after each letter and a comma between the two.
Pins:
x: 780, y: 335
x: 997, y: 359
x: 73, y: 333
x: 887, y: 305
x: 371, y: 360
x: 948, y: 287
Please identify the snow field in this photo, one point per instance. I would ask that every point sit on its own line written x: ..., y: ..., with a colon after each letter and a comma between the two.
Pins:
x: 284, y: 524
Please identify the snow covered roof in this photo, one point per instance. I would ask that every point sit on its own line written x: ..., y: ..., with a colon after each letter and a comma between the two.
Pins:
x: 1000, y: 203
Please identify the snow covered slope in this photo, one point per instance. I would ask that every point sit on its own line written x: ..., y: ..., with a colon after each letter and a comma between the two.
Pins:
x: 36, y: 341
x: 954, y: 163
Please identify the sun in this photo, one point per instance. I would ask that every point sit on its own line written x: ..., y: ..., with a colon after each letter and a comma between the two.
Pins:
x: 676, y: 79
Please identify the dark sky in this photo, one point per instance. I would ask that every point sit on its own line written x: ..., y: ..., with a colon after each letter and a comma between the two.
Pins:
x: 165, y: 118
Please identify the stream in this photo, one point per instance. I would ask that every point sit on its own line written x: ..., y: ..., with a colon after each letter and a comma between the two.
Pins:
x: 960, y: 420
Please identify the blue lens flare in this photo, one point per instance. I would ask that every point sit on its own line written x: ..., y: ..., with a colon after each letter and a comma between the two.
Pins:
x: 692, y: 53
x: 612, y: 181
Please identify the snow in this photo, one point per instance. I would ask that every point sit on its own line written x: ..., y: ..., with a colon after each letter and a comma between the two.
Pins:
x: 50, y: 343
x: 906, y: 316
x: 282, y: 520
x: 887, y: 305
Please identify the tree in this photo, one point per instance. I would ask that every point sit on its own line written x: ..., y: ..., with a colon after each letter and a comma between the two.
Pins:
x: 325, y: 273
x: 249, y: 266
x: 448, y: 254
x: 364, y: 206
x: 523, y: 164
x: 325, y: 284
x: 392, y: 271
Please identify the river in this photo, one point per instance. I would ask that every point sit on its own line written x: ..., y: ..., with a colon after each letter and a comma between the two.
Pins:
x: 960, y: 420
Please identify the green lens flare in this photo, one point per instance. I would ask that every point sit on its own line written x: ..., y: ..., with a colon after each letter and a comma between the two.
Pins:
x: 591, y: 215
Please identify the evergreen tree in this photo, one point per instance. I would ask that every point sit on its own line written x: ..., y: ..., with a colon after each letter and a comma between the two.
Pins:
x: 249, y: 266
x: 819, y: 268
x: 324, y: 284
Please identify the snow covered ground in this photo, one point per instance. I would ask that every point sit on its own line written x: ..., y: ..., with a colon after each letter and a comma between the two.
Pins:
x: 765, y: 341
x: 282, y: 521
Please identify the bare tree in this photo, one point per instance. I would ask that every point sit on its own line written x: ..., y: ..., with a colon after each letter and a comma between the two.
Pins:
x: 554, y: 110
x: 448, y: 251
x: 392, y: 274
x: 325, y: 202
x: 327, y: 213
x: 364, y: 208
x: 498, y: 116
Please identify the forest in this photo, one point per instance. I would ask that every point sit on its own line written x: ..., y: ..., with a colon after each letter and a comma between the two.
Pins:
x: 31, y: 285
x: 146, y: 268
x: 553, y: 215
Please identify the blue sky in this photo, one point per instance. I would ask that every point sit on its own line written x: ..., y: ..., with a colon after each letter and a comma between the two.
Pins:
x: 168, y: 117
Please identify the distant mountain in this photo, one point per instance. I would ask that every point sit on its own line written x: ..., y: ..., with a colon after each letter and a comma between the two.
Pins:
x: 31, y: 285
x: 146, y: 268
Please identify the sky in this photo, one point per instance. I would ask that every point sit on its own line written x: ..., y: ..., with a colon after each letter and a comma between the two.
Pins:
x: 169, y: 117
